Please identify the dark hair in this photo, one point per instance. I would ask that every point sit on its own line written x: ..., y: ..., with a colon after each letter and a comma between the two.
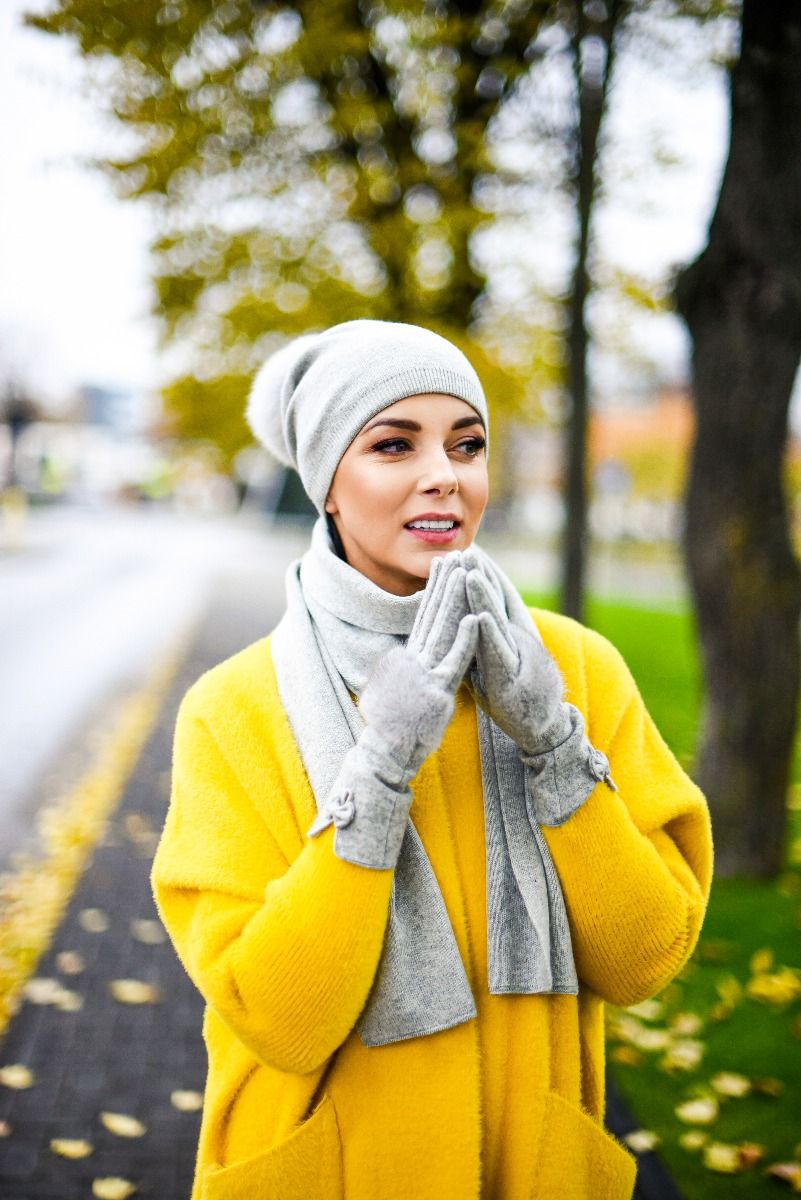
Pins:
x: 336, y: 540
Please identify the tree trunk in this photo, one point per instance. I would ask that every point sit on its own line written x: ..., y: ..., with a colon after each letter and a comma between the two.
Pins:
x: 592, y: 84
x: 741, y: 300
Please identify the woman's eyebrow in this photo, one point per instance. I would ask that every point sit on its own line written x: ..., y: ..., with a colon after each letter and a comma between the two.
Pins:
x: 400, y: 423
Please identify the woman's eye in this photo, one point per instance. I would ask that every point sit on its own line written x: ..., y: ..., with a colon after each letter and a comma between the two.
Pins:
x: 472, y: 446
x: 392, y: 445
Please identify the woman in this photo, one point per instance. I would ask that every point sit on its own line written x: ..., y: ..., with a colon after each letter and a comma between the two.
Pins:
x: 419, y: 834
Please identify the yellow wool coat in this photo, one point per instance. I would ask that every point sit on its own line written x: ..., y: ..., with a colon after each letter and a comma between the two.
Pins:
x: 283, y: 939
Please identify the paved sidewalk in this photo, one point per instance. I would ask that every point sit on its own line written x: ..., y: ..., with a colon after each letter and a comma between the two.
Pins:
x: 129, y: 1058
x: 110, y: 1056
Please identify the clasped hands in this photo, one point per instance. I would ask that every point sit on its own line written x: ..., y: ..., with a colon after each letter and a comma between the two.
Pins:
x: 409, y: 698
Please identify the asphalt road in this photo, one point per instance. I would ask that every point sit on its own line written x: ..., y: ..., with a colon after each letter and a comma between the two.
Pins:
x: 87, y: 605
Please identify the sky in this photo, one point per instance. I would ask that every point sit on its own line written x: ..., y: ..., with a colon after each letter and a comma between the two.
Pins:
x: 74, y: 293
x: 73, y: 265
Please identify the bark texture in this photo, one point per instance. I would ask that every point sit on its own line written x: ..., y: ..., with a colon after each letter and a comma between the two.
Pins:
x: 596, y: 27
x: 741, y: 300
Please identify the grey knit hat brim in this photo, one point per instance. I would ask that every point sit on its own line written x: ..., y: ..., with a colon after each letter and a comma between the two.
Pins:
x: 311, y: 398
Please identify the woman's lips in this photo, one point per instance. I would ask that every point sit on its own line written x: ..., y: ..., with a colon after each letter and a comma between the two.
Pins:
x: 438, y: 537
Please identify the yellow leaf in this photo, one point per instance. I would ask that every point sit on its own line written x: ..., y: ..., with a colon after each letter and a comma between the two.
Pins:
x: 134, y: 991
x: 69, y: 1001
x: 123, y: 1125
x: 789, y: 1172
x: 16, y: 1076
x: 778, y: 989
x: 761, y: 961
x: 683, y: 1055
x: 186, y: 1101
x: 718, y: 1156
x: 112, y: 1187
x: 71, y: 1147
x: 42, y: 991
x: 729, y: 989
x: 728, y: 1083
x: 651, y: 1039
x: 70, y: 962
x: 152, y: 933
x: 641, y: 1140
x: 698, y: 1112
x: 628, y: 1056
x: 93, y: 920
x: 686, y: 1024
x: 768, y: 1087
x: 647, y: 1010
x: 750, y: 1154
x: 693, y: 1139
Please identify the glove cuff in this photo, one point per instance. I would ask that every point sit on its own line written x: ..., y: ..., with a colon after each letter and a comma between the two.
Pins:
x: 369, y: 805
x: 559, y: 780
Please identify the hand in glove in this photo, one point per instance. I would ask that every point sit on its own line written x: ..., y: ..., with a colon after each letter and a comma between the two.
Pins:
x: 520, y: 685
x: 521, y: 688
x: 407, y: 703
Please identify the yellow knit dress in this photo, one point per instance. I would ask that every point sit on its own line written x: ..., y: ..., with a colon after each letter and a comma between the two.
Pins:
x: 283, y: 939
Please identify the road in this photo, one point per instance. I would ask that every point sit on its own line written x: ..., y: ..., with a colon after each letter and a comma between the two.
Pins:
x: 87, y: 606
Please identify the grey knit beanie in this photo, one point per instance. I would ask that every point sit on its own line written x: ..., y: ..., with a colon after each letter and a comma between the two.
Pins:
x: 310, y: 399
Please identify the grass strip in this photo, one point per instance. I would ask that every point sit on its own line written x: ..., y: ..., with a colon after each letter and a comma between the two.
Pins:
x: 726, y: 1035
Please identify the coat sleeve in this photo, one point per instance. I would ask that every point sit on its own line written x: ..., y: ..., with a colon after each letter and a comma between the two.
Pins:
x: 284, y: 952
x: 635, y: 864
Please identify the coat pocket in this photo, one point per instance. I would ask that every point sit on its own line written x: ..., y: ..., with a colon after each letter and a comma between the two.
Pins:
x: 578, y: 1159
x: 307, y: 1163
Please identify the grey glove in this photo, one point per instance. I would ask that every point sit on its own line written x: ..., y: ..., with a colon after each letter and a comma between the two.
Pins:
x: 519, y: 684
x: 521, y: 688
x: 407, y: 703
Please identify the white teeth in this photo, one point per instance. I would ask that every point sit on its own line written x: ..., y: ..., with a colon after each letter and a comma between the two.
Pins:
x: 431, y: 524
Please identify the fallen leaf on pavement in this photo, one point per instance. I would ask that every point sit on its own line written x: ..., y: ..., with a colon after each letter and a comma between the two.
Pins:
x: 40, y: 990
x: 186, y: 1101
x: 70, y: 962
x: 93, y: 920
x: 123, y: 1125
x: 152, y: 933
x: 112, y: 1187
x: 71, y: 1147
x: 134, y: 991
x: 5, y: 1129
x: 16, y: 1076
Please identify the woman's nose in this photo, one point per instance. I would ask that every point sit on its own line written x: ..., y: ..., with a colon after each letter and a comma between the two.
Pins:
x: 438, y: 473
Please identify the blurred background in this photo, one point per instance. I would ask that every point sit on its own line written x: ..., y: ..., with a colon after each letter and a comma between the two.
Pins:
x: 600, y: 202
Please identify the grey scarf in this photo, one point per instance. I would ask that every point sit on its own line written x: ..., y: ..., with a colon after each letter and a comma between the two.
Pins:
x: 336, y: 626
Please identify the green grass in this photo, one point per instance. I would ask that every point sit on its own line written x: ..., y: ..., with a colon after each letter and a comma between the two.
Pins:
x: 738, y: 1033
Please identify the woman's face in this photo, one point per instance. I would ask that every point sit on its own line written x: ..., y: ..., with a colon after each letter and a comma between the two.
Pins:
x: 421, y: 458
